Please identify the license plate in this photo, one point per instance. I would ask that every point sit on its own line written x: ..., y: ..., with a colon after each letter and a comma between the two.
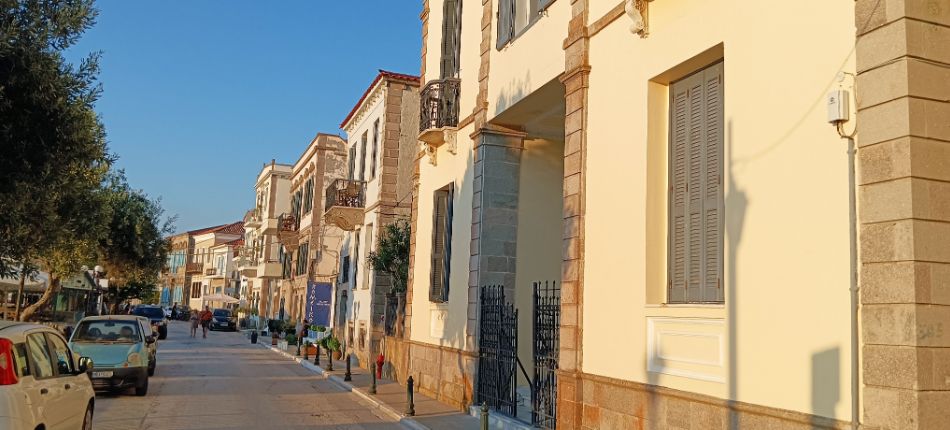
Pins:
x: 102, y: 374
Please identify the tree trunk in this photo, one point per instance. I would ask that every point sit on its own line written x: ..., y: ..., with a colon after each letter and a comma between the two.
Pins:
x: 48, y: 295
x: 19, y: 296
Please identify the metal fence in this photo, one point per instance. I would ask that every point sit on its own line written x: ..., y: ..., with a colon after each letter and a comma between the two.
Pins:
x: 439, y: 104
x: 546, y: 336
x: 497, y: 351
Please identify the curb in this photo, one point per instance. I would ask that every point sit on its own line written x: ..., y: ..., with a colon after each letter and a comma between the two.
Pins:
x: 403, y: 420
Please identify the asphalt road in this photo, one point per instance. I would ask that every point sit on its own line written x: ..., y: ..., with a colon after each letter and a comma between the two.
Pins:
x: 224, y: 382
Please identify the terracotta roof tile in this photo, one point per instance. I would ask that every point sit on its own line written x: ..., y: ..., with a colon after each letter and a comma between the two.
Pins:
x: 382, y: 74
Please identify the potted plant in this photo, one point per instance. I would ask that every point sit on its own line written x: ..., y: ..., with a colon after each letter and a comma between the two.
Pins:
x: 311, y: 348
x: 288, y: 341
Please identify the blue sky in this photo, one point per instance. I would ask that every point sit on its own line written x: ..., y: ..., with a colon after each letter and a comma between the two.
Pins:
x: 199, y: 94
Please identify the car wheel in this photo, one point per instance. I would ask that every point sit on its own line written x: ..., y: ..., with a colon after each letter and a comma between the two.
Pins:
x: 162, y: 334
x: 142, y: 388
x: 87, y: 419
x: 151, y: 369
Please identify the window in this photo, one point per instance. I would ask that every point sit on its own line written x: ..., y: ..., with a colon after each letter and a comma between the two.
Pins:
x: 302, y: 259
x: 441, y: 244
x: 451, y: 38
x: 40, y: 357
x: 64, y: 359
x: 369, y: 247
x: 363, y: 158
x: 20, y: 356
x: 345, y: 269
x: 196, y: 290
x: 356, y: 256
x: 516, y: 15
x: 372, y: 166
x: 352, y: 167
x: 308, y: 197
x: 696, y: 198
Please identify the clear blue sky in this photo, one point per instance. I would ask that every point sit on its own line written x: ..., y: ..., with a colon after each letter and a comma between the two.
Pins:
x: 199, y: 94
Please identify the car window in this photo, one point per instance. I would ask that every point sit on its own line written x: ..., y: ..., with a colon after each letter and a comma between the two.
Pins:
x: 221, y: 313
x: 40, y: 360
x: 64, y: 359
x: 108, y: 331
x: 21, y: 359
x: 149, y: 312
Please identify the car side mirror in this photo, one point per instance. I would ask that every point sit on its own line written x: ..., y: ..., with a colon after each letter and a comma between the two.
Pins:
x: 85, y: 365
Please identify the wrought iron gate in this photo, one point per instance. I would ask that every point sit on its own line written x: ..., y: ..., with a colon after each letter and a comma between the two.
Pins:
x: 497, y: 351
x: 547, y: 323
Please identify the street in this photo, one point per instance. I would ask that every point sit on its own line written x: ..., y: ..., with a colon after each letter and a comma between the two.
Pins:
x: 224, y: 382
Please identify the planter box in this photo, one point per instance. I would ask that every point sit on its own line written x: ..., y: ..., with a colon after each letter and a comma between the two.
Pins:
x: 282, y: 345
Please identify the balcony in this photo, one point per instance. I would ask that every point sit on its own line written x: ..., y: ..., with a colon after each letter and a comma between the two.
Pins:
x: 254, y: 221
x: 439, y: 113
x: 270, y: 226
x: 211, y: 272
x: 194, y: 267
x: 269, y: 269
x: 345, y: 202
x: 246, y: 265
x: 287, y: 230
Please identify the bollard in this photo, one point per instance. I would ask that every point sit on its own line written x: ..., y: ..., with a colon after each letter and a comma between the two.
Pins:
x: 306, y: 352
x: 411, y: 410
x: 372, y: 388
x: 316, y: 357
x: 484, y: 416
x: 254, y: 336
x: 347, y: 375
x: 329, y: 360
x: 298, y: 347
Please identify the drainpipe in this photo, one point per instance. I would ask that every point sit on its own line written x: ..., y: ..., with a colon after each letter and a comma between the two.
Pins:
x: 855, y: 345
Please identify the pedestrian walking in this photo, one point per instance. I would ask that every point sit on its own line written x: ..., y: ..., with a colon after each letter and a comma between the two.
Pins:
x: 193, y: 320
x: 205, y: 318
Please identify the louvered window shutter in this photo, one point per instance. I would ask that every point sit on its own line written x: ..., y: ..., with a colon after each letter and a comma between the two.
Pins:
x: 352, y: 166
x: 451, y: 23
x: 506, y: 22
x: 363, y: 158
x: 696, y: 200
x: 713, y: 290
x: 677, y: 208
x: 441, y: 245
x: 372, y: 170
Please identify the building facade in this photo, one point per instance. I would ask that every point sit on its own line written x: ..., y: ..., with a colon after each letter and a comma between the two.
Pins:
x: 377, y: 191
x: 210, y: 265
x: 174, y: 280
x: 310, y: 251
x: 689, y: 209
x: 259, y: 262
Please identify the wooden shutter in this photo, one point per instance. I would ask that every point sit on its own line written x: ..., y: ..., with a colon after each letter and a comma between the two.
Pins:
x: 713, y: 290
x: 441, y: 244
x: 696, y: 200
x: 677, y: 208
x: 352, y: 166
x: 451, y: 35
x: 372, y: 169
x: 363, y: 158
x: 506, y: 22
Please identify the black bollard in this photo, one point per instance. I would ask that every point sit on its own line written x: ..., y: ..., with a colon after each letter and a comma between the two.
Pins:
x: 316, y: 357
x: 372, y: 388
x: 347, y: 375
x: 412, y: 407
x: 306, y: 352
x: 329, y: 360
x: 254, y: 336
x: 484, y: 418
x: 298, y: 347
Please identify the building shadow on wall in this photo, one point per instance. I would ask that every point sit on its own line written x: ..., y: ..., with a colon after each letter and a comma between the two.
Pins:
x: 736, y: 205
x: 825, y: 385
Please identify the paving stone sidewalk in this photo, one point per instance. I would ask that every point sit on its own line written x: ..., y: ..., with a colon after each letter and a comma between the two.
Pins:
x: 390, y: 397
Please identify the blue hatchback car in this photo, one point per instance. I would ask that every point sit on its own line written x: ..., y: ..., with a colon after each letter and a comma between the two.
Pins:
x: 122, y: 349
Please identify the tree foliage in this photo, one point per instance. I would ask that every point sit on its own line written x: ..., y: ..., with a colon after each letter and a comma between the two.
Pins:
x: 392, y: 254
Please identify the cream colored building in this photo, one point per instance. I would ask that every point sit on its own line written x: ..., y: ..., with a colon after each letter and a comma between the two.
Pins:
x: 377, y: 190
x: 211, y: 263
x: 260, y: 263
x: 671, y: 165
x: 310, y: 251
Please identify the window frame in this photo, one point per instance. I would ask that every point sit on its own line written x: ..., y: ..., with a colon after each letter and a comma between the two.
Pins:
x: 448, y: 193
x: 32, y: 360
x: 69, y: 354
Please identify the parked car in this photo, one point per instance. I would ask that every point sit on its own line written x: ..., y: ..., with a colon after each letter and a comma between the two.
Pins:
x: 156, y: 315
x: 223, y: 319
x: 43, y: 383
x: 122, y: 348
x: 184, y: 312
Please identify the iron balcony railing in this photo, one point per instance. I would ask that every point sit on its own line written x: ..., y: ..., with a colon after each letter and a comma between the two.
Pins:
x: 287, y: 222
x: 194, y: 267
x: 439, y: 104
x: 346, y: 193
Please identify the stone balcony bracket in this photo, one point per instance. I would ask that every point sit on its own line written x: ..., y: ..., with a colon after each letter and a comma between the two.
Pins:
x: 434, y: 138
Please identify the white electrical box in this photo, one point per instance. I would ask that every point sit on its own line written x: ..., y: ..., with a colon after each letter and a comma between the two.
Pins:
x: 838, y: 107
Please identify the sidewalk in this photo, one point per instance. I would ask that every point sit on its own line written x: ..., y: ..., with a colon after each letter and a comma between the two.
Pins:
x: 390, y: 397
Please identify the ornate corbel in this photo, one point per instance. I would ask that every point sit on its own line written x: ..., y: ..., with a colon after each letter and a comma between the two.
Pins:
x: 637, y: 12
